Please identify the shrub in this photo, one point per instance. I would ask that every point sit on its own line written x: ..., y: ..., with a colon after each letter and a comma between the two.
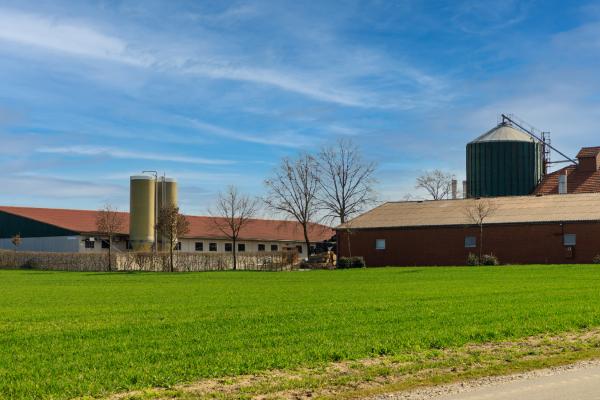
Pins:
x: 596, y: 259
x: 358, y: 262
x: 472, y: 259
x: 350, y: 262
x: 489, y: 259
x: 344, y: 262
x: 486, y: 259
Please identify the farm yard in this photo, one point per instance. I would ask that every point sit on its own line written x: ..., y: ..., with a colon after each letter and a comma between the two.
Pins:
x: 70, y: 334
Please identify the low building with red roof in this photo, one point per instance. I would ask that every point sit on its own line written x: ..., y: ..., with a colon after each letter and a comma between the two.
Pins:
x: 581, y: 178
x: 65, y: 230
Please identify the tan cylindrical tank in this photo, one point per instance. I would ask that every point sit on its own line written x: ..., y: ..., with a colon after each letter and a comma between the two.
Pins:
x: 142, y: 204
x: 167, y: 196
x: 167, y: 192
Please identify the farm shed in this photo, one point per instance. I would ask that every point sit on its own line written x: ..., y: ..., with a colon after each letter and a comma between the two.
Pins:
x: 522, y: 230
x: 64, y: 230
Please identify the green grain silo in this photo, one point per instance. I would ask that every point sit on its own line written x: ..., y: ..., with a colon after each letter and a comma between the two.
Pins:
x: 504, y: 161
x: 141, y: 212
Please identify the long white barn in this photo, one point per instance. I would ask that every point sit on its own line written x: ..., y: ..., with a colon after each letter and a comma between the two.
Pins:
x: 64, y: 230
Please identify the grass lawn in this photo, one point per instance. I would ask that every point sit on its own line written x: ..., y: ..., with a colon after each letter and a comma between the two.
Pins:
x: 65, y: 334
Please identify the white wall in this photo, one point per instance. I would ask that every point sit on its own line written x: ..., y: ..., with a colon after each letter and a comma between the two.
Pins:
x: 76, y: 244
x: 189, y: 245
x: 60, y: 244
x: 63, y: 244
x: 118, y: 245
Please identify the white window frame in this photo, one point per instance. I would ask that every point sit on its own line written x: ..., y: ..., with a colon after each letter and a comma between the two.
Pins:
x: 570, y: 239
x: 379, y: 244
x: 470, y: 242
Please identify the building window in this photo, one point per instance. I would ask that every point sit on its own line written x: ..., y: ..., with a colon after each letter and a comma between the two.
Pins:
x: 261, y: 247
x: 199, y: 246
x: 178, y: 246
x: 570, y: 239
x: 274, y: 247
x: 380, y: 244
x: 228, y: 247
x: 470, y: 242
x: 105, y: 244
x: 212, y: 247
x: 89, y: 244
x: 299, y: 248
x: 241, y: 247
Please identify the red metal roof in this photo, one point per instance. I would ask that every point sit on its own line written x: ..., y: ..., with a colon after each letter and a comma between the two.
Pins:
x: 84, y: 221
x: 578, y: 181
x: 588, y: 152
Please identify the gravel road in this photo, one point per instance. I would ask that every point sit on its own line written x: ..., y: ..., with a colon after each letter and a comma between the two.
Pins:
x: 580, y: 381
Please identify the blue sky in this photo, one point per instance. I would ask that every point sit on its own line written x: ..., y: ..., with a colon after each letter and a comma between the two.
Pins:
x: 215, y: 93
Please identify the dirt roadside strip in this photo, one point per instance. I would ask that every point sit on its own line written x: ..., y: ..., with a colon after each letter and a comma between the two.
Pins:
x: 409, y: 374
x: 504, y: 385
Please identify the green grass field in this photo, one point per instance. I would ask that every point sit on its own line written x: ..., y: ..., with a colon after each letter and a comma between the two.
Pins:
x: 64, y: 334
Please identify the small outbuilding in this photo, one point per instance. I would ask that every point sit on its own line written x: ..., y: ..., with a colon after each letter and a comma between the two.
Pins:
x: 557, y: 229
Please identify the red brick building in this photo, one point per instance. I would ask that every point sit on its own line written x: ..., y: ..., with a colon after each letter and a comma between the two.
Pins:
x: 520, y: 230
x: 581, y: 178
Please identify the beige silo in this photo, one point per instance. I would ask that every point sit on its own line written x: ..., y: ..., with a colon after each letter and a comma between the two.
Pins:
x: 142, y: 212
x: 167, y: 192
x: 167, y: 196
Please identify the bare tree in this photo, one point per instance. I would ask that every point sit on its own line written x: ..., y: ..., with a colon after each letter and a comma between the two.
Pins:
x: 172, y: 226
x: 437, y: 183
x: 409, y: 197
x: 346, y: 180
x: 232, y: 213
x: 293, y: 190
x: 348, y: 231
x: 477, y: 212
x: 16, y: 241
x: 108, y: 223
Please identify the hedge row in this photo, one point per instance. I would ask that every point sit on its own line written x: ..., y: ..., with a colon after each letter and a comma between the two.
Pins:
x: 130, y: 261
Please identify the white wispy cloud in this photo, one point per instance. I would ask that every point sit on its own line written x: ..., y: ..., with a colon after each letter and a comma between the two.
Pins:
x: 56, y: 187
x: 325, y: 82
x: 188, y: 176
x: 287, y: 81
x: 71, y: 38
x: 482, y: 18
x: 285, y: 139
x: 97, y: 151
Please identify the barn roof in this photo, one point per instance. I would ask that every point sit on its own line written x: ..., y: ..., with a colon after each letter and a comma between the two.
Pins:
x: 588, y: 152
x: 508, y: 210
x: 84, y: 221
x: 578, y: 181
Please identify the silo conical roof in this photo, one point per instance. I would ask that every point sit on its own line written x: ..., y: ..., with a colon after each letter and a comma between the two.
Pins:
x: 504, y: 133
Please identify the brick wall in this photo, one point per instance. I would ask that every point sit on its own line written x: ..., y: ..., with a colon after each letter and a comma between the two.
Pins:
x: 512, y: 244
